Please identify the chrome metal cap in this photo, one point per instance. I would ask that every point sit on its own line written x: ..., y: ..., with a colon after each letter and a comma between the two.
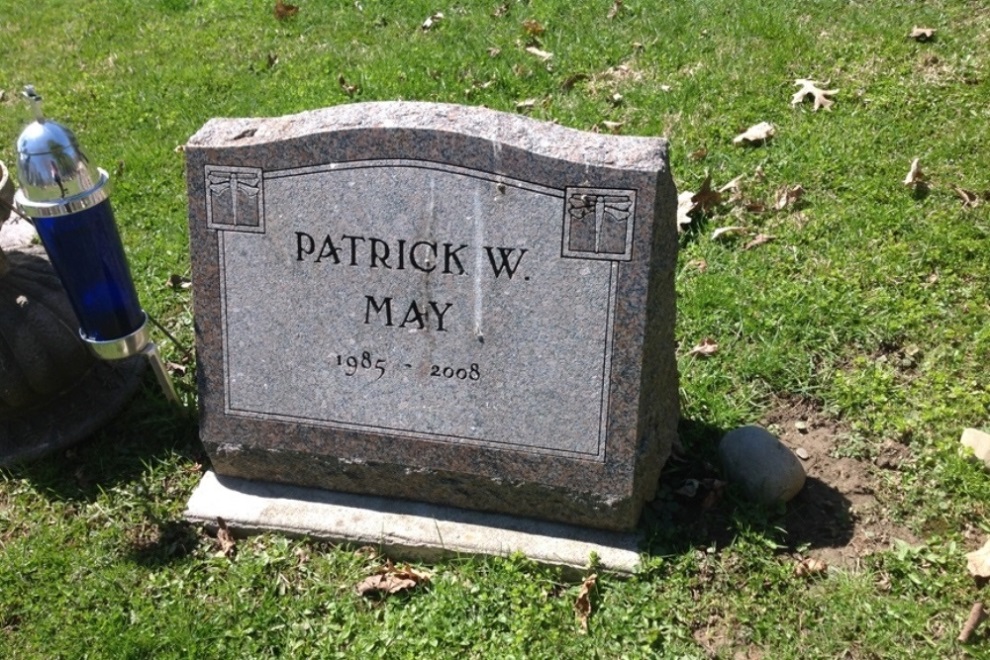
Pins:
x: 54, y: 174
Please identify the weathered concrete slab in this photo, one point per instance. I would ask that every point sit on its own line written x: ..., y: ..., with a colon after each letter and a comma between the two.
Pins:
x: 403, y: 529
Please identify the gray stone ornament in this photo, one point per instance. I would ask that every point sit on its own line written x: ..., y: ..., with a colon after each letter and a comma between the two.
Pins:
x: 766, y: 470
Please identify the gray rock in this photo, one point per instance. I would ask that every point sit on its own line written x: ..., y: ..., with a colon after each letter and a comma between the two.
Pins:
x: 767, y: 471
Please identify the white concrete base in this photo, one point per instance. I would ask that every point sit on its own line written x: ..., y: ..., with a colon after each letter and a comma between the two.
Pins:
x: 401, y: 529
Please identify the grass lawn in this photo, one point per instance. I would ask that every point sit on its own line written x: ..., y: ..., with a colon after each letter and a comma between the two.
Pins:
x: 860, y: 332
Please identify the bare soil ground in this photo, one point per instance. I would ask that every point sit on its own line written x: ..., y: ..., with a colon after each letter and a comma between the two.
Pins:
x: 839, y: 517
x: 838, y: 514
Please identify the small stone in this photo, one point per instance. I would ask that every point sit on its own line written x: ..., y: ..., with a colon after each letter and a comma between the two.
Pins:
x: 979, y: 442
x: 801, y: 426
x: 802, y: 453
x: 767, y: 471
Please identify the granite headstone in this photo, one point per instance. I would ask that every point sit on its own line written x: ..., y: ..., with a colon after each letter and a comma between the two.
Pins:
x: 436, y: 303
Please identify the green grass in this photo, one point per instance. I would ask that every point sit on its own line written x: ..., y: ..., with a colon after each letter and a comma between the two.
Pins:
x: 94, y: 558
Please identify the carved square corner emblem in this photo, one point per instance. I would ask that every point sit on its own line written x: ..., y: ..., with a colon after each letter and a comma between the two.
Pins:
x: 598, y: 223
x: 235, y: 198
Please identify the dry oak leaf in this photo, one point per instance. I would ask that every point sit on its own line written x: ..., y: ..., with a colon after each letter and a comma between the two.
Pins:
x: 922, y: 34
x: 613, y: 126
x: 176, y: 368
x: 685, y: 207
x: 810, y: 87
x: 756, y: 134
x: 178, y: 282
x: 969, y: 198
x: 432, y: 20
x: 733, y: 186
x: 225, y: 539
x: 350, y: 90
x: 809, y: 566
x: 787, y: 196
x: 978, y: 561
x: 583, y: 603
x: 759, y: 239
x: 698, y: 154
x: 390, y: 579
x: 284, y: 11
x: 536, y: 52
x: 726, y: 232
x: 533, y: 28
x: 915, y: 176
x: 528, y: 104
x: 706, y: 348
x: 706, y: 198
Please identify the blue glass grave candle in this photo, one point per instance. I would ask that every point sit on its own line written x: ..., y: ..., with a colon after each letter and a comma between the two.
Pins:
x: 68, y: 201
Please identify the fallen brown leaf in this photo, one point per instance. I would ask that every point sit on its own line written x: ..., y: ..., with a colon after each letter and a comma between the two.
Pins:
x: 716, y: 490
x: 756, y: 134
x: 501, y: 10
x: 810, y: 88
x: 176, y: 368
x: 809, y: 566
x: 727, y: 232
x: 788, y: 196
x: 734, y: 185
x: 706, y: 199
x: 700, y: 264
x: 969, y: 198
x: 367, y: 552
x: 178, y: 282
x: 760, y: 239
x: 755, y: 207
x: 922, y: 34
x: 494, y: 52
x: 536, y: 52
x: 533, y: 28
x: 978, y: 562
x: 616, y: 8
x: 706, y: 348
x: 698, y: 154
x: 528, y: 104
x: 284, y: 11
x: 915, y: 176
x: 613, y: 126
x: 685, y: 207
x: 350, y: 90
x: 583, y: 603
x: 228, y: 546
x: 432, y: 20
x: 390, y: 579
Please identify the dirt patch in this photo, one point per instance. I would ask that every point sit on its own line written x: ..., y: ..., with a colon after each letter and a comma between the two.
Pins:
x: 837, y: 515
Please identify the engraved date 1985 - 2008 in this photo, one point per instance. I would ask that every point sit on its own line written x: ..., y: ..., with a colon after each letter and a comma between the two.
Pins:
x: 378, y: 367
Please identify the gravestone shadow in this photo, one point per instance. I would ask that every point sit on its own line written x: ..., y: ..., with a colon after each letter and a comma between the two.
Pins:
x: 696, y: 508
x: 146, y: 432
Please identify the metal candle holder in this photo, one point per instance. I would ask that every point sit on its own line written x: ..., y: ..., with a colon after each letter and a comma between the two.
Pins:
x: 68, y: 201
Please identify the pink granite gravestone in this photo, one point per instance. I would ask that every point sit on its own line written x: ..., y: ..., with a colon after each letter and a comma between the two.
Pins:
x: 436, y: 303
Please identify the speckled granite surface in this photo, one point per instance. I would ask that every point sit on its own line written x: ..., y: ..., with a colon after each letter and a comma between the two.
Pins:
x: 436, y: 303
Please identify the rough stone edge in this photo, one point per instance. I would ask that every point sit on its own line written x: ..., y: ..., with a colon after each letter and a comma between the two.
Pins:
x: 624, y: 152
x: 403, y: 529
